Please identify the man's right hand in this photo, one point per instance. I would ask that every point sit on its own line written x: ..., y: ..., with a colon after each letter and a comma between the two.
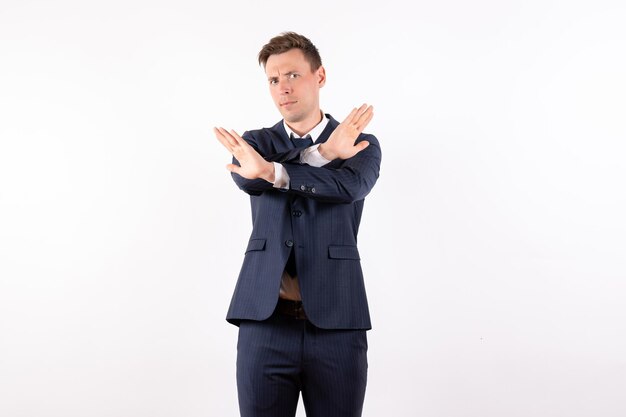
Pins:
x: 252, y: 165
x: 340, y: 144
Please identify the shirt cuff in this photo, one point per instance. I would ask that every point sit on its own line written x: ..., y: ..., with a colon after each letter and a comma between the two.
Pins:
x: 281, y: 177
x: 311, y: 156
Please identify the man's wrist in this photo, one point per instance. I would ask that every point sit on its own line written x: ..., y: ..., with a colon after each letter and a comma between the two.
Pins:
x: 312, y: 156
x: 325, y: 152
x: 268, y: 173
x: 281, y: 177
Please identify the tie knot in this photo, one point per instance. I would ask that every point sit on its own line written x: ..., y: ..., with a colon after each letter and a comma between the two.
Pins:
x: 293, y: 136
x: 302, y: 142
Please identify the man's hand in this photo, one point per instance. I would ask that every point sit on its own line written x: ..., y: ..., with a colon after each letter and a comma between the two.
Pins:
x: 252, y: 164
x: 340, y: 144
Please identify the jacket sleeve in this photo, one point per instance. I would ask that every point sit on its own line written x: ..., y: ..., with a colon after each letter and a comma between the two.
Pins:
x: 350, y: 181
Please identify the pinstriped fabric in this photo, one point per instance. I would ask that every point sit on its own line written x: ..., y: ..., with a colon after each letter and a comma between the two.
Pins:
x: 329, y: 202
x: 278, y: 357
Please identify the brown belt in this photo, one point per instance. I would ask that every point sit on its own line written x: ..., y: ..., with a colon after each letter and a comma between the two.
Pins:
x: 291, y: 308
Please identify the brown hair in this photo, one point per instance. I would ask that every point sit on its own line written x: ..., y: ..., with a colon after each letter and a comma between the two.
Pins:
x: 287, y: 41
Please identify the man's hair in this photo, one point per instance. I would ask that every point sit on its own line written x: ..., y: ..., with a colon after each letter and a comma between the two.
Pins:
x: 287, y: 41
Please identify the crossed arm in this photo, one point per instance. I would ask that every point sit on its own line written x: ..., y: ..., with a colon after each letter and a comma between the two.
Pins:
x: 351, y: 182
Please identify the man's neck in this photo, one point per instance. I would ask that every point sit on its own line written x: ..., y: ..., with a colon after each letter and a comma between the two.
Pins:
x: 306, y: 126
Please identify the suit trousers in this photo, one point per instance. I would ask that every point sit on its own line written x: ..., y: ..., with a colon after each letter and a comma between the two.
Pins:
x: 282, y: 356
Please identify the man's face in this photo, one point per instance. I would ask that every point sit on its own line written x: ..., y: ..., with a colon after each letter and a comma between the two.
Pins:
x: 293, y: 86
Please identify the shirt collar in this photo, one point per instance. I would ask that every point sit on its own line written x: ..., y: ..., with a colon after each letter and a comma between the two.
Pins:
x: 315, y: 132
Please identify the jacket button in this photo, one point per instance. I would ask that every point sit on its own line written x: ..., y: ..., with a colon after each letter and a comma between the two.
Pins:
x: 302, y: 187
x: 313, y: 189
x: 289, y: 243
x: 297, y: 213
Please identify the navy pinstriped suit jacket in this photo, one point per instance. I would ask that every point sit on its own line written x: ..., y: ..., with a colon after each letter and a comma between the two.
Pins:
x: 318, y: 217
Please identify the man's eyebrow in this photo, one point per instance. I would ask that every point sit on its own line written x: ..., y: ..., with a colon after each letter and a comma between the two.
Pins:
x: 273, y: 77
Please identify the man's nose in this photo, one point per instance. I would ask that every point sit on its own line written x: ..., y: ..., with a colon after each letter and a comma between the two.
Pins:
x: 284, y: 86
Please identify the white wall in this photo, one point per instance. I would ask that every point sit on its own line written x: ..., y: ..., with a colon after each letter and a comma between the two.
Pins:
x: 493, y: 244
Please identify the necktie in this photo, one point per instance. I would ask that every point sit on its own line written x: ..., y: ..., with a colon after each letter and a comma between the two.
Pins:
x: 302, y: 142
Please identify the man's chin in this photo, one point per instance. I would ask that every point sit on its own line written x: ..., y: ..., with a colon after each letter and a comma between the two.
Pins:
x: 292, y: 118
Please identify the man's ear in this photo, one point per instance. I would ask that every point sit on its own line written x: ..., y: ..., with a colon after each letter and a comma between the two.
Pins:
x: 321, y: 76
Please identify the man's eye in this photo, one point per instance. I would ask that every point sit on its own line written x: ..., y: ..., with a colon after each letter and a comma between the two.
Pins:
x: 293, y: 75
x: 273, y: 82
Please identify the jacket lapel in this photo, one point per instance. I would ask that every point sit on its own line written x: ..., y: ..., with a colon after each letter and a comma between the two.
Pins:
x: 280, y: 138
x: 332, y: 124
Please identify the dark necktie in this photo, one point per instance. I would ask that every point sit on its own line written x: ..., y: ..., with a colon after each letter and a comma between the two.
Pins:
x: 302, y: 142
x: 291, y: 262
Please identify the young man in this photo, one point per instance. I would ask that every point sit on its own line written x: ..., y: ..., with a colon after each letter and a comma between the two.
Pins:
x: 300, y: 300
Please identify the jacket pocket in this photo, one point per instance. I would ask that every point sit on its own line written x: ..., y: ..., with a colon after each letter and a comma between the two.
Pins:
x: 256, y: 244
x: 343, y: 252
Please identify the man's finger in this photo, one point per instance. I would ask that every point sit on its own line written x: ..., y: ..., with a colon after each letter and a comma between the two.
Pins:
x: 361, y: 145
x: 225, y: 137
x: 241, y: 141
x: 350, y: 116
x: 223, y: 140
x: 365, y: 121
x: 233, y: 142
x: 359, y: 113
x: 363, y: 114
x: 233, y: 168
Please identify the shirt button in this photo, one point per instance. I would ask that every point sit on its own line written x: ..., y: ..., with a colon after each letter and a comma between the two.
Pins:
x: 302, y: 187
x: 289, y: 243
x: 313, y: 189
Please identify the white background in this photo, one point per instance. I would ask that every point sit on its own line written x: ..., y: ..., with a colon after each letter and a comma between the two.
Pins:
x: 493, y: 244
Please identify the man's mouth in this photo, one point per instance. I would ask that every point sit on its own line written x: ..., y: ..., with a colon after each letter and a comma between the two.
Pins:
x: 287, y: 103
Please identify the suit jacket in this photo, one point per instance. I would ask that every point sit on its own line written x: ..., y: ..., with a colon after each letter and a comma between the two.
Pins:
x: 317, y: 217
